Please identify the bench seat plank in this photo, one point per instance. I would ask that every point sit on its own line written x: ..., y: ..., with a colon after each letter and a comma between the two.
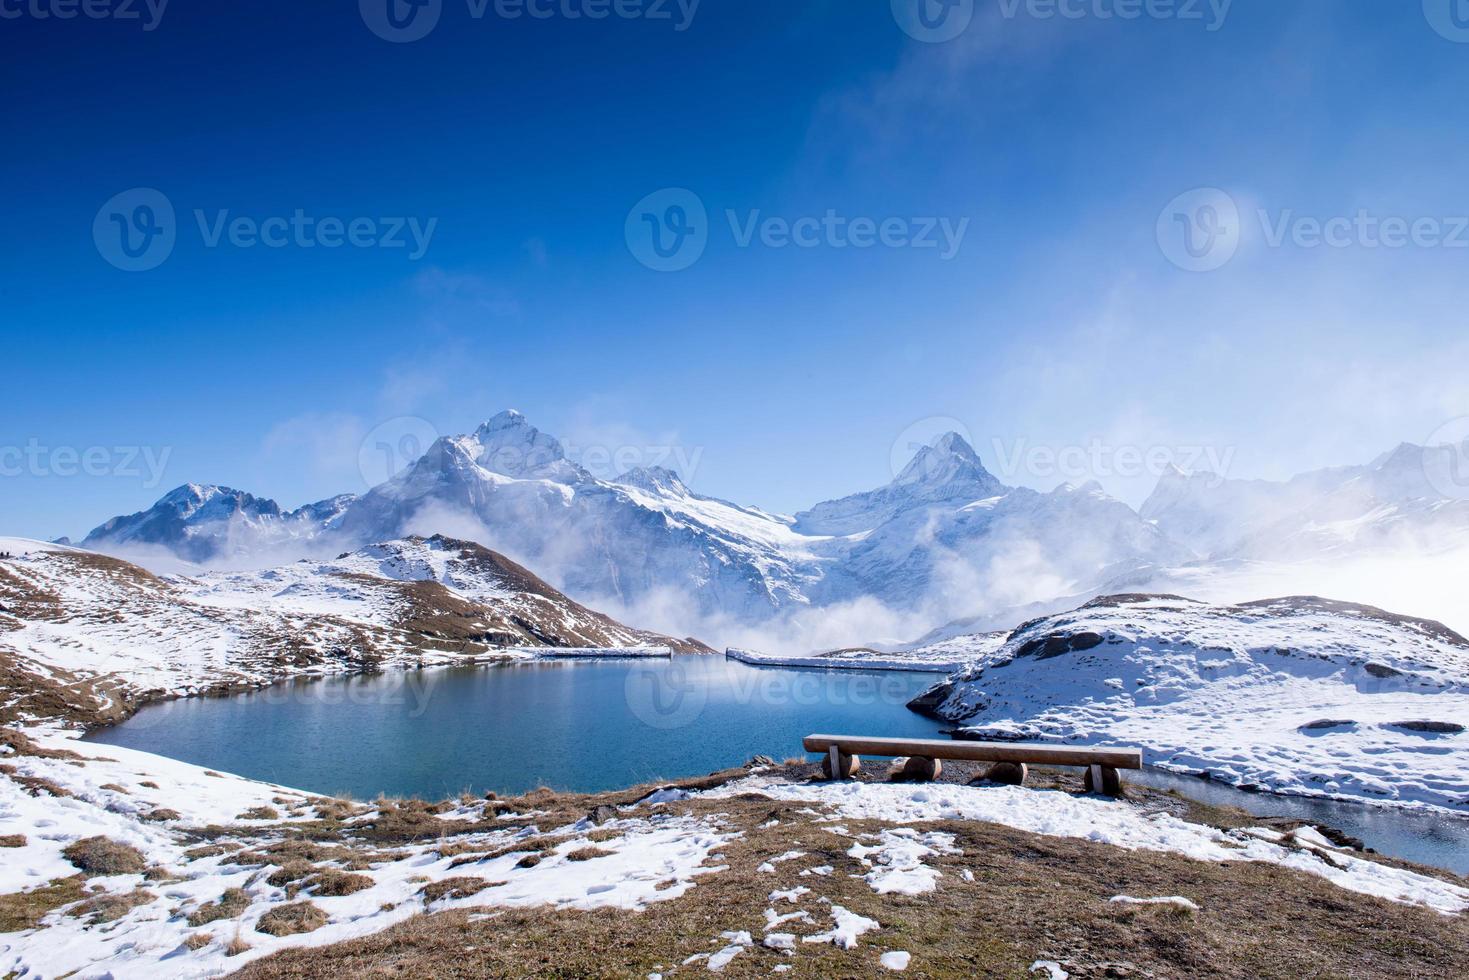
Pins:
x: 1036, y: 754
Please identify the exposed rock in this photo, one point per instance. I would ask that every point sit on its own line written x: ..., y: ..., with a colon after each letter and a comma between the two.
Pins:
x: 602, y: 814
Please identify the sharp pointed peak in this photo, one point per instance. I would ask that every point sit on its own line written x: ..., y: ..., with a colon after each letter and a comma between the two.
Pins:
x: 953, y: 442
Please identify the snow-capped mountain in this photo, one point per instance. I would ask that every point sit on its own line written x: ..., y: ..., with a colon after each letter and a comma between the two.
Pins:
x: 945, y: 533
x: 1406, y: 496
x: 207, y: 523
x: 1299, y: 695
x: 89, y: 636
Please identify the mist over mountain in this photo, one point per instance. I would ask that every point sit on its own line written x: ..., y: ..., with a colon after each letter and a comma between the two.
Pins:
x: 944, y: 540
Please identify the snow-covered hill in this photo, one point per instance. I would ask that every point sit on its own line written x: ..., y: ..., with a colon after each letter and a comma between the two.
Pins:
x: 1296, y: 695
x: 941, y: 538
x: 89, y: 637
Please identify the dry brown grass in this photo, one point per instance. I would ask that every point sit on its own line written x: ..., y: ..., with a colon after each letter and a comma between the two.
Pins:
x: 35, y: 785
x: 24, y: 910
x: 162, y: 814
x: 198, y: 941
x: 331, y: 882
x: 232, y: 903
x: 588, y: 854
x: 291, y: 920
x: 260, y: 813
x: 109, y: 907
x: 12, y: 840
x: 20, y: 743
x: 453, y: 888
x: 105, y: 856
x: 211, y: 850
x: 1032, y: 898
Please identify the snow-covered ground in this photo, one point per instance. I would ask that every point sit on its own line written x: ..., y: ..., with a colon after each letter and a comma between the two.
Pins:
x: 1298, y: 696
x: 651, y: 851
x: 656, y: 855
x: 1053, y: 813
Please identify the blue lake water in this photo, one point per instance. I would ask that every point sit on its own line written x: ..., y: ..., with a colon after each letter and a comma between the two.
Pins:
x: 592, y: 726
x: 565, y: 724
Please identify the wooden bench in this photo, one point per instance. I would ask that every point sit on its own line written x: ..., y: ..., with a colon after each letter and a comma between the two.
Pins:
x: 1010, y: 759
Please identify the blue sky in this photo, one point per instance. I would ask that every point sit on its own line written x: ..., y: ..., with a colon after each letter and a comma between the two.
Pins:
x: 784, y: 375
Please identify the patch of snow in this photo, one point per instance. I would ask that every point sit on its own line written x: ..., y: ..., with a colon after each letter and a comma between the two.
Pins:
x: 1178, y: 900
x: 847, y: 926
x: 895, y: 960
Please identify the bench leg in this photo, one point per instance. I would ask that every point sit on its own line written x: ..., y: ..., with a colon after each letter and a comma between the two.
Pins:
x: 1104, y: 780
x: 1008, y: 773
x: 839, y: 765
x: 921, y: 769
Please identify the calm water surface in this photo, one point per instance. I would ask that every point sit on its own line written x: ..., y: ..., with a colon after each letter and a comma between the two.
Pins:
x: 568, y: 725
x: 591, y: 726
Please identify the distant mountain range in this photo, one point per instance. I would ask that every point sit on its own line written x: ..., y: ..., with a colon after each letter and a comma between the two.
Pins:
x: 944, y: 539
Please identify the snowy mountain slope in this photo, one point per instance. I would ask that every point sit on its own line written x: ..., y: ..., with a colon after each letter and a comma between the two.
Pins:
x: 1298, y: 695
x: 208, y: 523
x: 595, y: 538
x: 1403, y: 498
x: 90, y: 637
x: 947, y: 472
x: 943, y: 536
